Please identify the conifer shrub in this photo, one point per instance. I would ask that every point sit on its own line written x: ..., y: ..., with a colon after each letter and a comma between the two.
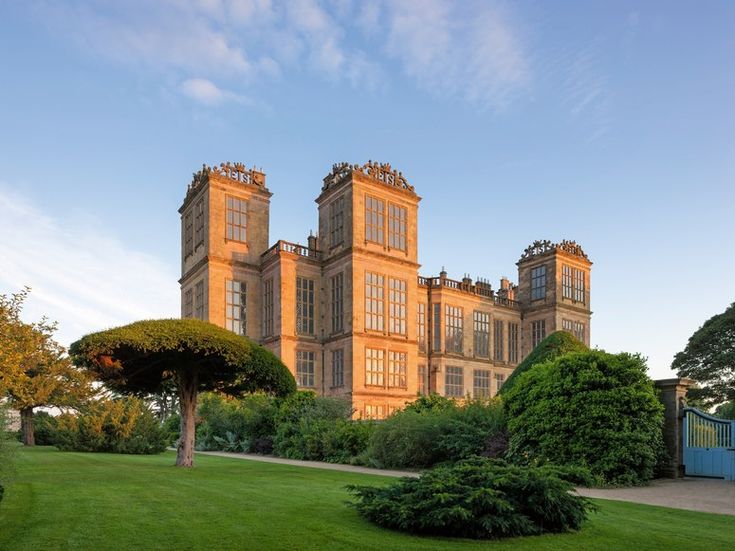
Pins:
x: 476, y: 498
x: 555, y: 345
x: 120, y: 425
x: 592, y: 409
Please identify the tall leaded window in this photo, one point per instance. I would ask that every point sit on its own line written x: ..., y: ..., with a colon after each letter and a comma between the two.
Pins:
x: 188, y: 304
x: 423, y: 380
x: 453, y: 323
x: 481, y: 326
x: 397, y: 369
x: 579, y: 330
x: 481, y: 383
x: 338, y: 367
x: 421, y: 326
x: 513, y: 343
x: 199, y: 300
x: 499, y: 380
x: 236, y: 306
x: 304, y: 306
x: 199, y: 223
x: 336, y: 222
x: 268, y: 308
x: 337, y: 291
x: 188, y: 233
x: 374, y: 301
x: 566, y: 281
x: 567, y: 325
x: 579, y: 287
x: 374, y: 219
x: 237, y: 219
x: 397, y: 306
x: 538, y: 282
x: 305, y: 368
x: 436, y: 334
x: 374, y: 367
x: 499, y: 339
x: 373, y: 411
x: 454, y: 382
x: 396, y: 227
x: 538, y: 331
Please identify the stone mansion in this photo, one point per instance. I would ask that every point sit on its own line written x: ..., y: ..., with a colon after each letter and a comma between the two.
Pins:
x: 349, y: 313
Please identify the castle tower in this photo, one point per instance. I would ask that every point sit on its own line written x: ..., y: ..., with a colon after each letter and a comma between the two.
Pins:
x: 368, y: 235
x: 225, y: 223
x: 554, y: 292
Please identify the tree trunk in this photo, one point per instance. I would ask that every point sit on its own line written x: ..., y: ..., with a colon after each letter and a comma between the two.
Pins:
x: 26, y: 426
x: 187, y: 406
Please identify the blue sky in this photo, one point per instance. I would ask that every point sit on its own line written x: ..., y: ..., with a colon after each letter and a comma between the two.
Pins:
x: 611, y: 123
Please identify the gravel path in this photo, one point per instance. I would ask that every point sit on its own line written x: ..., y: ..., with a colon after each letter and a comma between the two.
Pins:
x: 693, y: 494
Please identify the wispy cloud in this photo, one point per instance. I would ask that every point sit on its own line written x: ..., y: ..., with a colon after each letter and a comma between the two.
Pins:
x: 208, y: 93
x: 81, y: 277
x: 471, y: 50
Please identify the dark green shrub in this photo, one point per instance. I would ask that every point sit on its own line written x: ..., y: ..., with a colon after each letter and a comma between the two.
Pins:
x: 172, y: 428
x: 591, y: 409
x: 6, y: 450
x: 44, y: 428
x: 553, y: 346
x: 438, y: 430
x: 476, y: 498
x: 121, y: 425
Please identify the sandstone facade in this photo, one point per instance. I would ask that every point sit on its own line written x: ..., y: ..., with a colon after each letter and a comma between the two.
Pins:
x: 349, y: 313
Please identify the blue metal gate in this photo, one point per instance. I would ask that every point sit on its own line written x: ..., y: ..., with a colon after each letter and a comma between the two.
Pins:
x: 709, y: 445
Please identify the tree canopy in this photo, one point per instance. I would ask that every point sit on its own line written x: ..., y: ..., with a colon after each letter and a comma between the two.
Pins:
x: 147, y: 356
x: 556, y: 344
x: 709, y: 359
x: 34, y: 369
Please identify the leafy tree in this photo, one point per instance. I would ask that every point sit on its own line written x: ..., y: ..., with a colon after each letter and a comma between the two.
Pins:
x: 6, y: 449
x: 709, y: 359
x: 591, y: 409
x: 34, y: 369
x: 726, y: 410
x: 146, y: 356
x: 553, y: 346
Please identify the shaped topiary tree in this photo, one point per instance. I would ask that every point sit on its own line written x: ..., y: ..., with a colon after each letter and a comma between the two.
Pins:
x: 194, y: 355
x: 553, y: 346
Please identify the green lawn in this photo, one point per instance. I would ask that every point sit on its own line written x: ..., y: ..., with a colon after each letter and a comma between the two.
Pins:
x: 99, y: 501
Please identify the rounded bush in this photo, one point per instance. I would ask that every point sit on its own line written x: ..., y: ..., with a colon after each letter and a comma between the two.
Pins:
x: 591, y: 409
x: 476, y: 498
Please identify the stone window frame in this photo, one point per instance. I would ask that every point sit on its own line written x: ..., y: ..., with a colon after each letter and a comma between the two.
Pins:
x: 454, y: 380
x: 338, y: 368
x: 481, y: 383
x: 199, y: 223
x: 397, y: 369
x: 436, y: 326
x: 305, y: 306
x: 567, y: 325
x: 336, y: 221
x: 199, y: 300
x: 188, y: 233
x: 236, y: 319
x: 513, y: 332
x: 579, y: 286
x: 579, y: 331
x: 397, y: 227
x: 306, y: 378
x: 566, y: 282
x: 481, y: 333
x: 538, y: 282
x: 538, y: 332
x: 454, y: 329
x: 374, y: 367
x: 498, y: 340
x: 499, y: 381
x: 423, y: 376
x: 236, y: 220
x: 337, y: 294
x: 397, y: 306
x: 268, y: 307
x: 421, y: 326
x: 188, y: 304
x: 374, y: 220
x: 374, y: 411
x: 374, y: 301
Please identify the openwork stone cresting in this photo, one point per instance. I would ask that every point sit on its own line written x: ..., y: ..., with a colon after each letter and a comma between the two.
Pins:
x: 381, y: 172
x: 540, y: 247
x: 237, y: 172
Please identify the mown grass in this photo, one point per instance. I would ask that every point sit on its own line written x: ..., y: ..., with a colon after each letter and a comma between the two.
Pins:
x: 99, y: 501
